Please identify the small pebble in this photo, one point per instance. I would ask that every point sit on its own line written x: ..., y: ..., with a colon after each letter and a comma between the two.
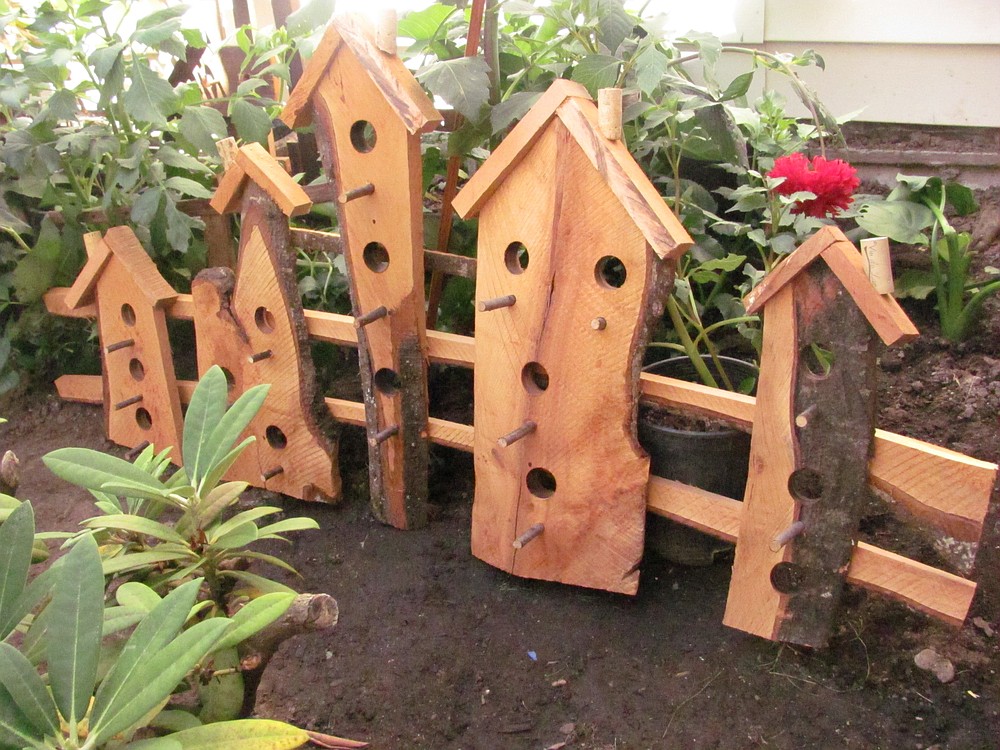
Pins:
x: 567, y: 728
x: 931, y: 661
x: 980, y: 623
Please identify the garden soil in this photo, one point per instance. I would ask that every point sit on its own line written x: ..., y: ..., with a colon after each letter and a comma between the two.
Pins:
x: 435, y: 649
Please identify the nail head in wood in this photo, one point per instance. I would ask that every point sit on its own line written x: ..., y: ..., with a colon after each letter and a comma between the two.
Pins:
x: 385, y: 37
x: 355, y: 193
x: 783, y: 538
x: 802, y: 419
x: 119, y: 345
x: 514, y: 435
x: 260, y: 356
x: 128, y: 402
x: 371, y: 316
x: 382, y: 435
x: 609, y: 113
x: 496, y: 303
x: 272, y: 473
x: 599, y: 324
x: 532, y: 532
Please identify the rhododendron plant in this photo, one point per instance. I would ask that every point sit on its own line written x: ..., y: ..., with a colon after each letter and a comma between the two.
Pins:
x: 832, y: 181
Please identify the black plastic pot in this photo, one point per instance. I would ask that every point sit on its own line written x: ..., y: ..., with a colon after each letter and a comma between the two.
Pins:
x: 715, y: 460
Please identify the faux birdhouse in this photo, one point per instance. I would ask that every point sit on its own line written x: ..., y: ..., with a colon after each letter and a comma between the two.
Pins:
x: 369, y: 112
x: 141, y: 402
x: 251, y: 324
x: 812, y: 438
x: 572, y: 272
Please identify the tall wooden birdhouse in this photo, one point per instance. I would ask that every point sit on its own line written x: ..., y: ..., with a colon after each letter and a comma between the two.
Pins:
x: 812, y: 438
x: 369, y: 112
x: 141, y: 402
x: 574, y: 244
x: 252, y: 325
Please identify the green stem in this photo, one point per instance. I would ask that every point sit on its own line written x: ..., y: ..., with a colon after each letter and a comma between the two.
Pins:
x: 722, y: 323
x: 17, y: 238
x: 689, y: 347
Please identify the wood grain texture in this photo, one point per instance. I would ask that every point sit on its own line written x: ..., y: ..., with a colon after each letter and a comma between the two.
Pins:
x: 584, y: 404
x: 229, y: 191
x: 382, y: 240
x: 127, y: 248
x: 298, y: 109
x: 265, y: 170
x: 82, y: 292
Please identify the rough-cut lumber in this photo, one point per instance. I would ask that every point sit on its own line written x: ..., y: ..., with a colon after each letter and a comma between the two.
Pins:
x: 98, y: 254
x: 254, y: 164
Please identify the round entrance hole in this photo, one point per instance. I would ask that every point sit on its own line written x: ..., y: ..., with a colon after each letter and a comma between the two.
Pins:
x: 136, y: 370
x: 515, y: 257
x: 128, y: 314
x: 363, y: 136
x: 806, y: 485
x: 787, y: 577
x: 230, y: 379
x: 386, y: 381
x: 275, y: 437
x: 818, y: 359
x: 541, y: 483
x: 376, y: 257
x: 264, y: 319
x: 610, y: 272
x: 535, y: 378
x: 143, y: 418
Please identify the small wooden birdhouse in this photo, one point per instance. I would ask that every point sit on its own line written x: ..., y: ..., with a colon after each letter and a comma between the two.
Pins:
x: 812, y: 438
x: 369, y: 112
x: 572, y: 273
x: 251, y: 324
x: 141, y: 402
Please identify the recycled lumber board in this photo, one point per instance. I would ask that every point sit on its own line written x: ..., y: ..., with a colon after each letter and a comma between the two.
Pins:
x: 372, y: 150
x: 945, y: 489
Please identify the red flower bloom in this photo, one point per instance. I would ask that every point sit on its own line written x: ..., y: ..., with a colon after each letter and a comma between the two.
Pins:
x: 832, y: 182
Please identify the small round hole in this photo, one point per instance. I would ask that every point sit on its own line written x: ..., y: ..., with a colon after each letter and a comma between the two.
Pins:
x: 515, y: 257
x: 610, y: 272
x: 787, y: 577
x: 275, y: 437
x: 230, y: 379
x: 363, y: 136
x: 535, y: 378
x: 541, y: 483
x: 136, y: 369
x: 264, y: 319
x: 376, y: 257
x: 143, y: 418
x: 818, y: 359
x: 805, y: 485
x: 128, y: 314
x: 386, y: 381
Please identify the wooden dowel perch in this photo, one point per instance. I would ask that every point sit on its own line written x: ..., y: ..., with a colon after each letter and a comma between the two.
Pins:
x: 371, y: 316
x: 802, y: 419
x: 514, y: 435
x: 119, y: 345
x: 272, y: 473
x: 355, y: 193
x: 133, y: 454
x: 496, y: 303
x: 260, y: 356
x: 599, y: 324
x: 532, y: 532
x: 382, y: 435
x: 784, y: 537
x: 128, y: 402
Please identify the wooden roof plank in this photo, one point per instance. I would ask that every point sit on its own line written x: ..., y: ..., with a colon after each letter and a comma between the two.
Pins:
x: 127, y: 248
x: 82, y: 291
x: 265, y: 170
x: 227, y: 195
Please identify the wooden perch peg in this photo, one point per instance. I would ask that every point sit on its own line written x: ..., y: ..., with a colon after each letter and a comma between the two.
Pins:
x: 355, y: 193
x: 496, y: 303
x: 532, y: 532
x: 382, y: 435
x: 371, y: 316
x: 128, y: 402
x: 260, y: 356
x: 118, y: 345
x: 878, y: 264
x: 599, y: 324
x: 272, y: 473
x: 787, y: 535
x: 803, y: 417
x: 514, y: 435
x: 385, y: 37
x: 609, y: 113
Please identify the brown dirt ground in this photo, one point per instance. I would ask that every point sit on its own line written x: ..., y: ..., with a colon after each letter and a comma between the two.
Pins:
x: 437, y: 650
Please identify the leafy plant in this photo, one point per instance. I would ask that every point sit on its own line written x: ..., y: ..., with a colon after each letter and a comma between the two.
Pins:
x: 201, y: 541
x: 81, y: 702
x: 915, y: 213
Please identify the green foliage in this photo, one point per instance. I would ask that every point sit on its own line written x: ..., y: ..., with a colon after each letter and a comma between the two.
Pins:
x: 202, y: 541
x: 915, y: 213
x: 74, y: 705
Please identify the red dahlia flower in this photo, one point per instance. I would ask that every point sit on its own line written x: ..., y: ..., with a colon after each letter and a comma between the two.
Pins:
x: 832, y: 182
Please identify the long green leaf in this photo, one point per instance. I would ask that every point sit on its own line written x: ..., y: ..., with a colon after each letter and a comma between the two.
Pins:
x: 16, y: 538
x: 150, y: 637
x: 255, y: 616
x: 228, y: 429
x: 218, y: 500
x: 15, y: 731
x: 117, y: 619
x: 92, y: 469
x: 220, y: 467
x: 35, y: 591
x: 237, y: 537
x: 269, y: 559
x: 73, y: 638
x: 204, y: 412
x: 254, y: 584
x: 136, y: 524
x: 242, y: 734
x: 300, y: 523
x: 28, y: 691
x: 247, y: 516
x: 135, y: 595
x: 157, y: 676
x: 142, y: 559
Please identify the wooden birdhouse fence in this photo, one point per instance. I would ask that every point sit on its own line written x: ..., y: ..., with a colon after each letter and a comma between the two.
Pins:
x: 573, y: 269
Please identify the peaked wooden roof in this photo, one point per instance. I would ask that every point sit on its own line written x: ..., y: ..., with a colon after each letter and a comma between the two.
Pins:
x: 121, y: 243
x: 397, y: 84
x: 253, y: 162
x: 829, y: 243
x: 570, y: 102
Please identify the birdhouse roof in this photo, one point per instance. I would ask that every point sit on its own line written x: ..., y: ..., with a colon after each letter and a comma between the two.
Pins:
x: 121, y: 243
x: 573, y: 106
x: 253, y: 162
x: 829, y: 243
x: 397, y: 84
